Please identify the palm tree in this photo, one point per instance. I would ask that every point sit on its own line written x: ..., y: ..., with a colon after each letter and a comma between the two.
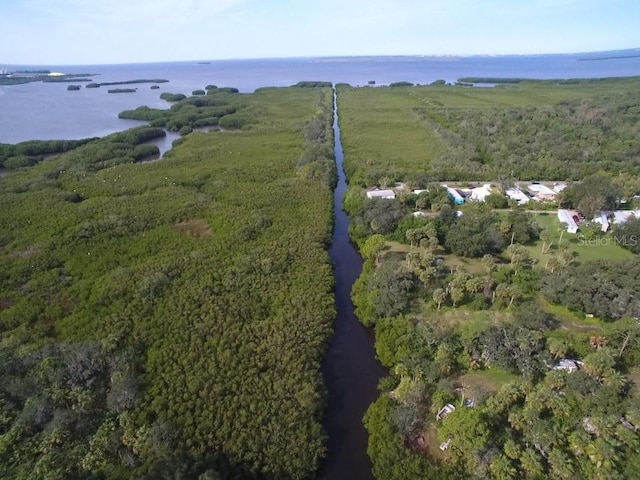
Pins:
x: 439, y: 296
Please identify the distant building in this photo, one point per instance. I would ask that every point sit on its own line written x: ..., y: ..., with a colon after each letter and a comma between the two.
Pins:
x: 558, y: 187
x: 479, y: 194
x: 455, y: 195
x: 567, y: 365
x: 602, y: 220
x: 389, y: 194
x: 516, y: 194
x: 621, y: 216
x: 566, y: 217
x: 541, y: 192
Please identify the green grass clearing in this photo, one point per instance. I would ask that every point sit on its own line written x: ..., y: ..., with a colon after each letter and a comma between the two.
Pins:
x: 602, y: 248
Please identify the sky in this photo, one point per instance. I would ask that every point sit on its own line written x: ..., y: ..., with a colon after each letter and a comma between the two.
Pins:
x: 89, y: 32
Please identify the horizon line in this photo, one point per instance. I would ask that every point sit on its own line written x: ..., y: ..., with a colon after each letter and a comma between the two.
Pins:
x: 329, y: 57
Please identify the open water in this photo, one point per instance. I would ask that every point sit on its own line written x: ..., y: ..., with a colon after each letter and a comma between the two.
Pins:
x: 48, y: 111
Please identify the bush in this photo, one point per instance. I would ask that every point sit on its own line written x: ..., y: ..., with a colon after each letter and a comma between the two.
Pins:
x: 172, y: 97
x: 231, y: 121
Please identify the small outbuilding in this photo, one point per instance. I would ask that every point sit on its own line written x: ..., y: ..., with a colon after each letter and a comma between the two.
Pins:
x: 445, y: 411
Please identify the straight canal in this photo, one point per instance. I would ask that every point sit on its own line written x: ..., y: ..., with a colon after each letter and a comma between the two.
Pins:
x: 351, y: 372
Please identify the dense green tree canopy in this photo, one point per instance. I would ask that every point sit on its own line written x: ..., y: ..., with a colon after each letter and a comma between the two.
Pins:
x: 169, y: 319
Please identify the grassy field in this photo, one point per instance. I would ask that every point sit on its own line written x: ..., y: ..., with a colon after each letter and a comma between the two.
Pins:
x: 602, y: 248
x: 460, y: 133
x: 383, y: 133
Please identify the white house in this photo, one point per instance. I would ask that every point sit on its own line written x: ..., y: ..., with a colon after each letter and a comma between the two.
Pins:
x: 621, y: 216
x: 567, y: 365
x: 602, y: 220
x: 558, y: 187
x: 541, y: 192
x: 516, y: 194
x: 479, y: 194
x: 566, y: 217
x: 389, y: 194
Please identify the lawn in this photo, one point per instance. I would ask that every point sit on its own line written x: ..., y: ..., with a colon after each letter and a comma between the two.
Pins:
x: 491, y: 379
x: 451, y: 262
x: 601, y: 248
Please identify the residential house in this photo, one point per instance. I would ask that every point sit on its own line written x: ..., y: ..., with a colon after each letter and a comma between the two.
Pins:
x: 479, y: 194
x: 455, y: 195
x: 516, y: 194
x: 542, y: 193
x: 567, y: 365
x: 602, y: 220
x: 566, y: 217
x: 389, y: 194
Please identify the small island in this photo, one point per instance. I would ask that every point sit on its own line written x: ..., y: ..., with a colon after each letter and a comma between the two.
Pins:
x: 122, y: 90
x: 126, y: 82
x: 73, y: 87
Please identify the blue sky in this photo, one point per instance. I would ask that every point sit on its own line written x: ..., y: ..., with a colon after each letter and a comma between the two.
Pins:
x: 122, y: 31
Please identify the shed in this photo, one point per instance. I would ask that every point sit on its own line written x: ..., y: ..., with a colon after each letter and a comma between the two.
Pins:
x: 445, y: 411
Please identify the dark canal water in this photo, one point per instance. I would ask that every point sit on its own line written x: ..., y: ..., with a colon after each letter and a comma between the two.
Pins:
x: 350, y: 369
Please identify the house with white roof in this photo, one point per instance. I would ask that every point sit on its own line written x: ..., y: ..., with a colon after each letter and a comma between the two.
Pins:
x: 567, y: 365
x: 566, y: 217
x: 558, y: 187
x: 603, y: 220
x: 621, y: 216
x: 388, y: 194
x: 541, y: 192
x: 516, y: 194
x: 479, y: 194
